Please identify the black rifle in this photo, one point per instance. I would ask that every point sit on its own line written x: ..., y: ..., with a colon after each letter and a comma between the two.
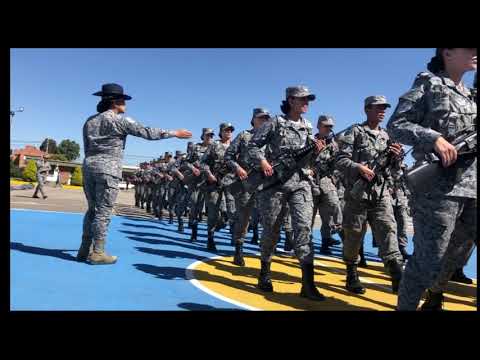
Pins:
x: 283, y: 169
x: 420, y: 178
x: 381, y: 162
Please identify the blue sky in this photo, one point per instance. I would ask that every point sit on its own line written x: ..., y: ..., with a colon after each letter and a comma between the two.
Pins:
x: 195, y: 88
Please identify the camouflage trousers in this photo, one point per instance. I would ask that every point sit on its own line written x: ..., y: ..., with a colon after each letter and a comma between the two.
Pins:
x: 197, y: 201
x: 171, y: 190
x: 137, y: 194
x: 244, y: 204
x: 149, y: 195
x: 218, y: 210
x: 101, y: 191
x: 162, y: 197
x: 401, y: 217
x: 438, y: 221
x: 328, y: 205
x: 181, y: 199
x: 272, y: 205
x: 40, y: 183
x: 382, y: 223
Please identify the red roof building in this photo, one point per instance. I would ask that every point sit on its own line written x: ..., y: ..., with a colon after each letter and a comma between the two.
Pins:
x: 19, y: 156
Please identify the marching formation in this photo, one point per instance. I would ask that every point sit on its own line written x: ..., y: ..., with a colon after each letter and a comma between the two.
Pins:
x: 279, y: 173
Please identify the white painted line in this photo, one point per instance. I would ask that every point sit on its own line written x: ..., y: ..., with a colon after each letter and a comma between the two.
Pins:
x: 189, y: 274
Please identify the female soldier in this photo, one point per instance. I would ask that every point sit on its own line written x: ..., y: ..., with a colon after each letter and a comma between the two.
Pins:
x: 429, y: 117
x: 283, y: 134
x: 104, y: 137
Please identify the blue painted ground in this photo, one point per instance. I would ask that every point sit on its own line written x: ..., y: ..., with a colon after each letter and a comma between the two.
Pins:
x: 150, y: 273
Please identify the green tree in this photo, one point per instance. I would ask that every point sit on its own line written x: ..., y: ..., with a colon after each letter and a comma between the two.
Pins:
x: 15, y: 171
x: 52, y: 146
x: 59, y: 157
x: 69, y: 148
x: 30, y: 172
x: 77, y: 177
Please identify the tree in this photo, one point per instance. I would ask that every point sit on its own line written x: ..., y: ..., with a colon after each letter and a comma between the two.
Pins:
x: 30, y: 172
x: 52, y: 146
x: 77, y: 177
x: 59, y: 157
x: 69, y: 148
x: 15, y: 171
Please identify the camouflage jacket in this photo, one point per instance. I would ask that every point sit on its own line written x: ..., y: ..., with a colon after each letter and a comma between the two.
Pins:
x: 104, y: 137
x: 194, y: 157
x: 237, y: 153
x: 43, y: 167
x: 436, y: 107
x: 361, y: 145
x: 279, y: 136
x: 324, y: 166
x: 213, y: 160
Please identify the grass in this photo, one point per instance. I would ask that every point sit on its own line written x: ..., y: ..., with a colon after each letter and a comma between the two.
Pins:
x: 21, y: 182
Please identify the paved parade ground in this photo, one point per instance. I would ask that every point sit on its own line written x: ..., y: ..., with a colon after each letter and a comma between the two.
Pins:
x: 159, y: 269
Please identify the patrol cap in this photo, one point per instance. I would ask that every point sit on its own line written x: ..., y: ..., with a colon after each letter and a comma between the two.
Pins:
x: 257, y: 112
x: 299, y: 91
x: 376, y: 100
x: 168, y: 153
x: 207, y: 131
x: 325, y: 120
x: 226, y: 125
x: 178, y: 153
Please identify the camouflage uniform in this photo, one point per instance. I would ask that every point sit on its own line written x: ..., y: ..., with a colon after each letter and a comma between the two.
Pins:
x: 283, y: 134
x: 213, y: 161
x: 198, y: 184
x: 327, y: 201
x: 148, y: 182
x: 447, y: 212
x: 399, y: 194
x: 360, y: 145
x: 104, y: 137
x: 178, y: 198
x: 138, y: 187
x: 43, y: 167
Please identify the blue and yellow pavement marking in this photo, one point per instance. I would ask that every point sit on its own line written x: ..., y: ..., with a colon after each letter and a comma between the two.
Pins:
x: 159, y: 269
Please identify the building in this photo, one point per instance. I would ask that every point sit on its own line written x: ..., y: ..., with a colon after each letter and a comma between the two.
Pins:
x: 19, y: 156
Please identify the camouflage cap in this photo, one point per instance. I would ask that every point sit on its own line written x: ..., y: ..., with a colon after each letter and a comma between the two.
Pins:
x: 260, y: 112
x: 226, y: 125
x: 325, y: 120
x: 299, y: 91
x: 178, y: 153
x: 207, y: 131
x: 376, y: 100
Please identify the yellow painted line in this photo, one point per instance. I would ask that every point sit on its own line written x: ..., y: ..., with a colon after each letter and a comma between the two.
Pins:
x: 220, y: 277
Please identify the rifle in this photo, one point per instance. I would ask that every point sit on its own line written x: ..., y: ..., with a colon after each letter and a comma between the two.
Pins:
x: 420, y: 178
x: 381, y: 162
x: 284, y: 168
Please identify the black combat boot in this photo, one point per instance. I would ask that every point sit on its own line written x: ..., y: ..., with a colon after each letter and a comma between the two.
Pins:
x: 170, y: 219
x: 309, y: 290
x: 264, y: 280
x: 433, y: 302
x: 149, y: 208
x: 332, y: 242
x: 363, y: 261
x: 288, y: 241
x: 325, y: 248
x: 460, y: 277
x: 231, y: 228
x: 180, y: 225
x: 238, y: 257
x: 353, y: 283
x: 403, y: 251
x: 141, y: 205
x: 160, y: 214
x: 211, y: 243
x: 194, y: 233
x: 395, y: 269
x: 255, y: 235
